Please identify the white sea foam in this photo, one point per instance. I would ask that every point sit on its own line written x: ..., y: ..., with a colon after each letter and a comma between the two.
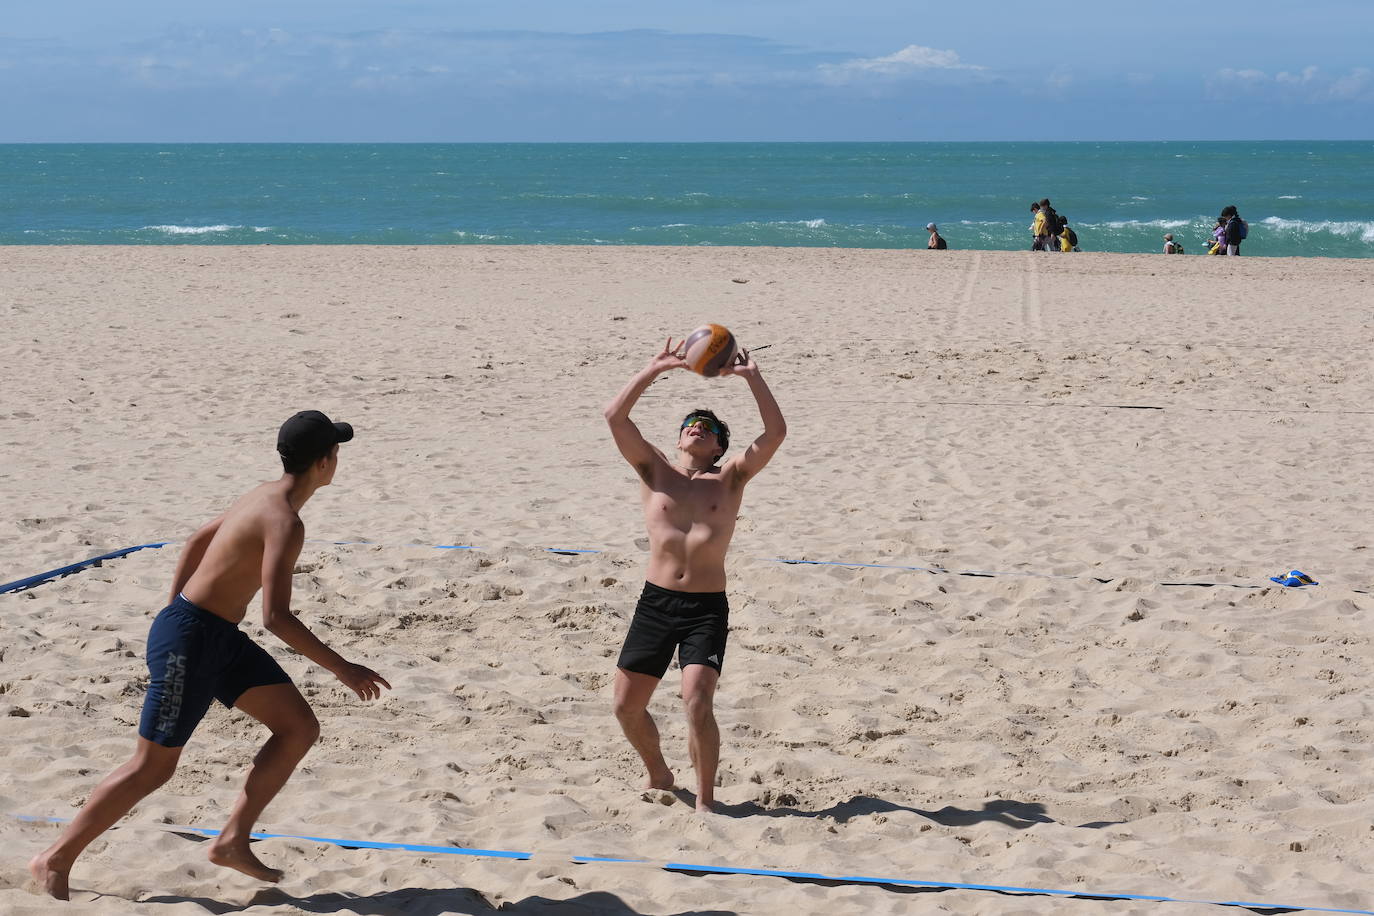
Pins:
x: 1290, y: 197
x: 1142, y: 224
x: 192, y: 230
x: 1349, y: 228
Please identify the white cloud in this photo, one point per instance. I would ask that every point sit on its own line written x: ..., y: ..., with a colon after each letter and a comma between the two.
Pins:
x: 913, y: 59
x: 1307, y: 85
x: 1307, y: 75
x: 1357, y: 85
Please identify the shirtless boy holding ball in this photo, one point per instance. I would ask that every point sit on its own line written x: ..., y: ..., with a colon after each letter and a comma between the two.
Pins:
x: 690, y: 504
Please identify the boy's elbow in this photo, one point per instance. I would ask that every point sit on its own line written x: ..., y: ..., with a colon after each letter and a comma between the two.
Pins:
x: 275, y: 621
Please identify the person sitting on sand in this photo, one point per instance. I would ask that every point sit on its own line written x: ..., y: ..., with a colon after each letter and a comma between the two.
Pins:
x: 690, y: 505
x: 196, y: 653
x: 1170, y: 246
x: 937, y: 242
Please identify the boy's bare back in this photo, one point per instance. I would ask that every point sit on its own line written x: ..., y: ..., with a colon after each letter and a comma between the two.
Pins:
x: 231, y: 572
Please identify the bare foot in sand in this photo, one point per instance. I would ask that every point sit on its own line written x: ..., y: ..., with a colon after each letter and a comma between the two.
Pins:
x: 50, y: 876
x: 707, y: 807
x: 662, y: 780
x: 240, y: 858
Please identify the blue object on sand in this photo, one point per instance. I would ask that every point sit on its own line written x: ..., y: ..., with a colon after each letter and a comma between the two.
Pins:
x: 20, y: 585
x: 1294, y: 579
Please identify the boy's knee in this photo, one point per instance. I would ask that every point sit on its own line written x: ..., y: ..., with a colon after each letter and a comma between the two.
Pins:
x: 152, y: 774
x: 698, y: 705
x: 302, y: 731
x: 624, y: 709
x: 309, y: 731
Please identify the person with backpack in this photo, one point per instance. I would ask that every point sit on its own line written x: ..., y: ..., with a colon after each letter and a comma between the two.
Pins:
x: 1068, y: 239
x: 1236, y: 229
x: 937, y: 241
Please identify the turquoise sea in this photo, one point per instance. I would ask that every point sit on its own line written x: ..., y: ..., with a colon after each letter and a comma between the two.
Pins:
x: 1300, y: 198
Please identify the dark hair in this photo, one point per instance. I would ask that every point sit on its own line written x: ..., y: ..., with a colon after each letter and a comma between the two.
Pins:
x: 723, y: 437
x: 299, y: 464
x: 1044, y: 202
x: 1229, y: 211
x: 1034, y: 205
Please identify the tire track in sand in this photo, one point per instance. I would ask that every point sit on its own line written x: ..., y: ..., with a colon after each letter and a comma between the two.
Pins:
x: 963, y: 306
x: 1032, y: 321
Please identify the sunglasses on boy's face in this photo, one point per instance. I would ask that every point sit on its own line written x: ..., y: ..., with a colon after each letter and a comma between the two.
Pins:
x: 705, y: 423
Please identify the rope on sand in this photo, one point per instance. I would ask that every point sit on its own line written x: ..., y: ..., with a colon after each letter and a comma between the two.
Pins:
x: 697, y: 870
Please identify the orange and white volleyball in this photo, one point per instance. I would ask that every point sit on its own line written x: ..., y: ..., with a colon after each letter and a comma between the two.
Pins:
x: 709, y: 349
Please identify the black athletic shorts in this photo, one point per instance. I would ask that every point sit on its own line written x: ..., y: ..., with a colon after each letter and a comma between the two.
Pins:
x: 694, y: 624
x: 194, y: 657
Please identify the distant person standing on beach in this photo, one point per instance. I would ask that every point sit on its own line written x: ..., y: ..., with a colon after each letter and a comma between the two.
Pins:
x: 1235, y: 231
x: 1039, y: 234
x: 1218, y: 245
x: 937, y: 242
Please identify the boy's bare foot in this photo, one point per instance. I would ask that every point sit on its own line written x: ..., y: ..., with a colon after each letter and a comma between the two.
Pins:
x: 707, y: 807
x: 240, y: 858
x: 662, y: 780
x: 50, y: 877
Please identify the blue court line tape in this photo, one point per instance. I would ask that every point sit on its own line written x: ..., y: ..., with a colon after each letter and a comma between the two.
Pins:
x: 685, y: 867
x: 328, y: 841
x: 41, y: 578
x: 984, y: 574
x: 20, y: 585
x: 560, y: 550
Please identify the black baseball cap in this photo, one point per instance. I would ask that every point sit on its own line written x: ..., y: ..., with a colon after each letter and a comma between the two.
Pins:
x: 309, y: 436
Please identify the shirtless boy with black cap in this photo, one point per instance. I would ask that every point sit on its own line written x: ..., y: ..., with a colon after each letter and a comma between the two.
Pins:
x: 690, y: 505
x: 196, y: 654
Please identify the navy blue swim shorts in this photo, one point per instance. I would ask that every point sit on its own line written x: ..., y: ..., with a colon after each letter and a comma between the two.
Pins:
x: 195, y: 656
x: 694, y: 624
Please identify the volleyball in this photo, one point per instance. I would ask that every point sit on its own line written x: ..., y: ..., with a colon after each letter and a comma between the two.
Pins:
x: 709, y: 349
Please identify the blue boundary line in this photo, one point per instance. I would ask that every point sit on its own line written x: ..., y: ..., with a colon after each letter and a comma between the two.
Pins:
x: 20, y: 585
x: 730, y: 870
x: 560, y: 550
x: 41, y: 578
x: 983, y: 574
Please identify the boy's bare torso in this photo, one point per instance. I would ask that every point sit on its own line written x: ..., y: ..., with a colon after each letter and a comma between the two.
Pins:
x: 690, y: 519
x: 230, y: 574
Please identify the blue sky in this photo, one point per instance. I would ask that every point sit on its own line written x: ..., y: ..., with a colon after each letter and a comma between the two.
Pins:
x: 609, y: 70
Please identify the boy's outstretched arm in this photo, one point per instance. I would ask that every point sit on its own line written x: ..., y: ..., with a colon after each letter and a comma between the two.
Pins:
x: 762, y: 449
x: 282, y: 540
x: 631, y: 442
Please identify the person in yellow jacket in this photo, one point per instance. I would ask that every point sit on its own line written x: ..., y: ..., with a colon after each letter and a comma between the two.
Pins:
x: 1068, y: 239
x: 1039, y: 229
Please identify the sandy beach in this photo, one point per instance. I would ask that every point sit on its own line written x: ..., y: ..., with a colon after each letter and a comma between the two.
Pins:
x: 1129, y: 444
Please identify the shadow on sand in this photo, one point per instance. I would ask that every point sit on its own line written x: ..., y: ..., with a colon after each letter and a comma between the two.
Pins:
x: 1014, y: 814
x: 426, y: 901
